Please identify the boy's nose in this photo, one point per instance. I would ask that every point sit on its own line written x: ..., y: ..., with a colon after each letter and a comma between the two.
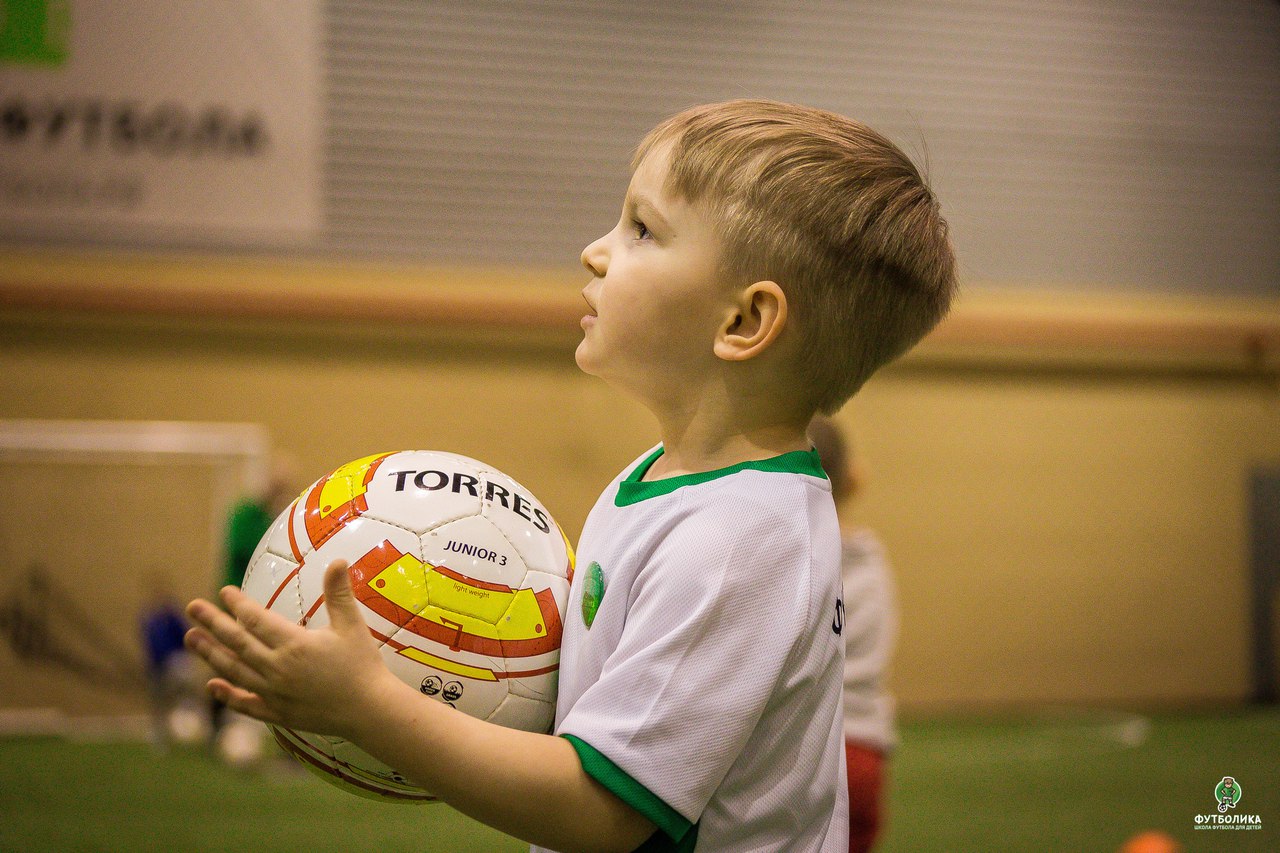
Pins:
x: 595, y: 258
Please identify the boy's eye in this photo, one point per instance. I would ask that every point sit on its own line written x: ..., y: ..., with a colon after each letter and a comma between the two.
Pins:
x: 641, y: 230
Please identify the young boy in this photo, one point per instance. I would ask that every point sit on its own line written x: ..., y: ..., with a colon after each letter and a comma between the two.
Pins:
x: 768, y: 259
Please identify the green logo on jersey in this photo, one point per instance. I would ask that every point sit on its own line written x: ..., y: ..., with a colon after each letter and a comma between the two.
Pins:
x: 592, y: 592
x: 1227, y: 793
x: 35, y: 32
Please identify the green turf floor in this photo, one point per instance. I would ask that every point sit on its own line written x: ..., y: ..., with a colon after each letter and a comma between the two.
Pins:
x: 1046, y: 782
x: 1064, y: 782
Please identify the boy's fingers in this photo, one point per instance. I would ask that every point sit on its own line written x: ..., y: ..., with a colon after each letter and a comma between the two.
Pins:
x: 243, y: 701
x: 223, y: 661
x: 228, y: 632
x: 271, y: 628
x: 340, y: 599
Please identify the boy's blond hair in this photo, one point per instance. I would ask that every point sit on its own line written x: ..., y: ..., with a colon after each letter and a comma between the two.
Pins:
x: 834, y: 213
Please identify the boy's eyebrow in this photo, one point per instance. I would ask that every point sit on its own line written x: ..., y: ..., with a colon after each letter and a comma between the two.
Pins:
x: 646, y: 209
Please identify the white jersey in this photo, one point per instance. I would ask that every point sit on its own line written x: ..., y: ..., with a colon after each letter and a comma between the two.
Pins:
x: 870, y: 626
x: 700, y: 671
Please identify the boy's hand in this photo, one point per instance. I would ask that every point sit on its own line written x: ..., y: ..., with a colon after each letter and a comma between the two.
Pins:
x: 279, y: 672
x: 333, y: 681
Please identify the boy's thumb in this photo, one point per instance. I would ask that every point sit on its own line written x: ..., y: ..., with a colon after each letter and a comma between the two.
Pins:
x: 339, y: 598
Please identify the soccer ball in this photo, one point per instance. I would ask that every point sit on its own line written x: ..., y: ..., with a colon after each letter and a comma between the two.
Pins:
x: 461, y: 574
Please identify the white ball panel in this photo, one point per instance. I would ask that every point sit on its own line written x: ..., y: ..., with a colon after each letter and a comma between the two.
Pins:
x: 276, y: 539
x: 529, y: 714
x: 474, y: 547
x: 272, y: 581
x: 541, y: 687
x: 370, y: 547
x: 419, y: 490
x: 364, y: 767
x: 304, y: 745
x: 557, y: 583
x: 471, y: 683
x: 526, y: 524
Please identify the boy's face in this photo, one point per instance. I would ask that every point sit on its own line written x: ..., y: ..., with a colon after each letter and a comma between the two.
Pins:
x: 657, y: 297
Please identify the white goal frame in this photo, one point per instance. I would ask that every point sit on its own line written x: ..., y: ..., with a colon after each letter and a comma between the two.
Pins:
x: 238, y: 454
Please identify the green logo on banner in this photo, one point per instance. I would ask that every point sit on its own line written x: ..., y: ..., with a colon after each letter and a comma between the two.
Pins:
x: 35, y: 32
x: 1227, y: 793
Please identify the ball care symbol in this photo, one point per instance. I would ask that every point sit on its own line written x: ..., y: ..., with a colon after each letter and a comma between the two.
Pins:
x: 1227, y: 793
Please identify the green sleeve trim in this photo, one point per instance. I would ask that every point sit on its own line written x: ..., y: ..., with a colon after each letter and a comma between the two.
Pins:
x: 635, y: 488
x: 631, y: 792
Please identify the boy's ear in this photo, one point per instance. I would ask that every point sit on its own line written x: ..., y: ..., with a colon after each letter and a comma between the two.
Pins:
x: 759, y: 316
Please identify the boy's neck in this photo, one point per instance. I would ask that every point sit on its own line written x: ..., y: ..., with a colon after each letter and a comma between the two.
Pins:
x: 708, y: 442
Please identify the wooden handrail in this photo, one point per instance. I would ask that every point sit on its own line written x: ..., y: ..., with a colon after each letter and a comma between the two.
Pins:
x: 1244, y: 334
x: 443, y: 309
x: 1252, y: 337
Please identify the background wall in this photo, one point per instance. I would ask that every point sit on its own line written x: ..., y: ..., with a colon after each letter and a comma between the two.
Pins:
x: 1066, y: 524
x: 1084, y: 144
x: 1060, y: 473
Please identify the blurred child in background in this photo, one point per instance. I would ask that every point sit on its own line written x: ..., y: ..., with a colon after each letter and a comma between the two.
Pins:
x: 870, y: 625
x: 253, y: 514
x: 173, y: 687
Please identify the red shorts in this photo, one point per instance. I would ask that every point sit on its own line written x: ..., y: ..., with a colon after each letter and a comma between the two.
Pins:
x: 866, y: 778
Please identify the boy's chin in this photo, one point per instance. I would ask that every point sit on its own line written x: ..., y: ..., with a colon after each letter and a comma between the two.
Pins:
x: 584, y: 359
x: 582, y: 355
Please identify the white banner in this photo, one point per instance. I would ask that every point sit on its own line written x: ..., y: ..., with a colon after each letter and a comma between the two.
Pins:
x: 137, y: 122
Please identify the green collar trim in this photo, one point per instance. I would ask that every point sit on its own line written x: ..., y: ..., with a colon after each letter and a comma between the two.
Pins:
x: 633, y: 489
x: 598, y: 766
